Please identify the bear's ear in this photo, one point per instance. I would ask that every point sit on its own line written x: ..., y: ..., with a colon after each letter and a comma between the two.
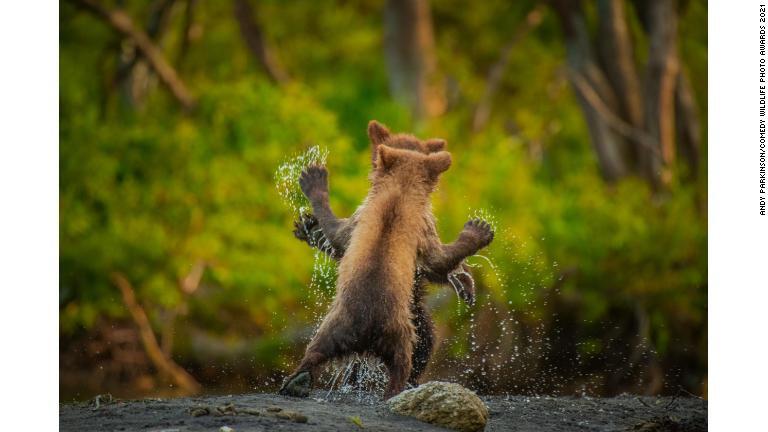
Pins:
x: 387, y: 157
x: 438, y: 163
x: 435, y: 145
x: 377, y: 133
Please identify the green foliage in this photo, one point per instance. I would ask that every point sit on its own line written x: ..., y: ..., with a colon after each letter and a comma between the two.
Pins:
x: 149, y: 191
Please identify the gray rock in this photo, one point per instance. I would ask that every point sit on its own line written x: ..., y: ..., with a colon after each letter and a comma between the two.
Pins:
x: 444, y: 404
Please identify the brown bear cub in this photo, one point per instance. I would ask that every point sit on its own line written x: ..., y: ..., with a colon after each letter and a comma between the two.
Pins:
x: 371, y: 313
x: 331, y: 234
x: 309, y: 229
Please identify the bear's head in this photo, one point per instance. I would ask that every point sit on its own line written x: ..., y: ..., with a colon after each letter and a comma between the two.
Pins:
x: 380, y: 135
x: 409, y: 171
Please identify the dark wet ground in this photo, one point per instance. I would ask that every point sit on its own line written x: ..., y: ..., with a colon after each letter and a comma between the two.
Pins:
x: 268, y: 412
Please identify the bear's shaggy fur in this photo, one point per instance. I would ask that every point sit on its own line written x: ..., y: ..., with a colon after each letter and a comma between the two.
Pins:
x: 334, y: 241
x: 371, y: 312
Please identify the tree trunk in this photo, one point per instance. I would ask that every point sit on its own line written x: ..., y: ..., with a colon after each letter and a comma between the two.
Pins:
x: 411, y: 60
x: 662, y: 73
x: 615, y: 102
x: 617, y: 59
x: 256, y: 42
x: 688, y: 124
x: 610, y: 147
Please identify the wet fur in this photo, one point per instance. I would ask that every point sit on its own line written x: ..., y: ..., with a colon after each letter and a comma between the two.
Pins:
x: 373, y: 312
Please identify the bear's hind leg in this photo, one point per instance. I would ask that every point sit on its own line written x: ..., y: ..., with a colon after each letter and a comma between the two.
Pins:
x: 300, y: 382
x: 399, y: 367
x: 323, y: 347
x: 395, y: 351
x: 425, y: 334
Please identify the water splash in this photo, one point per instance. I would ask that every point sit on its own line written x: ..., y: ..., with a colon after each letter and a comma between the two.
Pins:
x: 518, y: 341
x: 323, y: 279
x: 359, y: 378
x: 287, y: 178
x: 322, y: 284
x: 508, y: 334
x: 475, y: 362
x: 517, y: 337
x: 486, y: 215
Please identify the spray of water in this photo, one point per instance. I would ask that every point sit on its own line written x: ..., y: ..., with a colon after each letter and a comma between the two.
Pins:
x: 486, y: 215
x: 496, y: 352
x: 287, y: 178
x: 359, y: 378
x: 363, y: 378
x: 324, y: 268
x: 514, y: 333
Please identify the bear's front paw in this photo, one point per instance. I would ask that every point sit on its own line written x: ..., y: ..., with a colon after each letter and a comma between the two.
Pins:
x: 480, y: 231
x: 462, y: 281
x: 304, y: 227
x: 297, y: 385
x: 314, y: 182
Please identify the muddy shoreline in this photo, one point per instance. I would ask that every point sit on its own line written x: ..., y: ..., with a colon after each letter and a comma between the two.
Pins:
x: 262, y: 412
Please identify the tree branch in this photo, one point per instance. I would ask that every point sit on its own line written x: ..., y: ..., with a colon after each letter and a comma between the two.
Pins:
x: 122, y: 23
x: 191, y: 281
x: 162, y: 362
x: 617, y: 124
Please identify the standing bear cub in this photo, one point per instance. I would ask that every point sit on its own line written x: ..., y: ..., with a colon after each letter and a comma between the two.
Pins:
x: 331, y: 235
x: 371, y: 313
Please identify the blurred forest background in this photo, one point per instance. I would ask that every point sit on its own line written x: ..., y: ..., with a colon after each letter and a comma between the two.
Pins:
x: 579, y: 125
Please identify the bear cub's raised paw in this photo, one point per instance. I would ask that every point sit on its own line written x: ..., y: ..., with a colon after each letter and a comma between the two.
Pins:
x: 314, y: 182
x: 480, y: 231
